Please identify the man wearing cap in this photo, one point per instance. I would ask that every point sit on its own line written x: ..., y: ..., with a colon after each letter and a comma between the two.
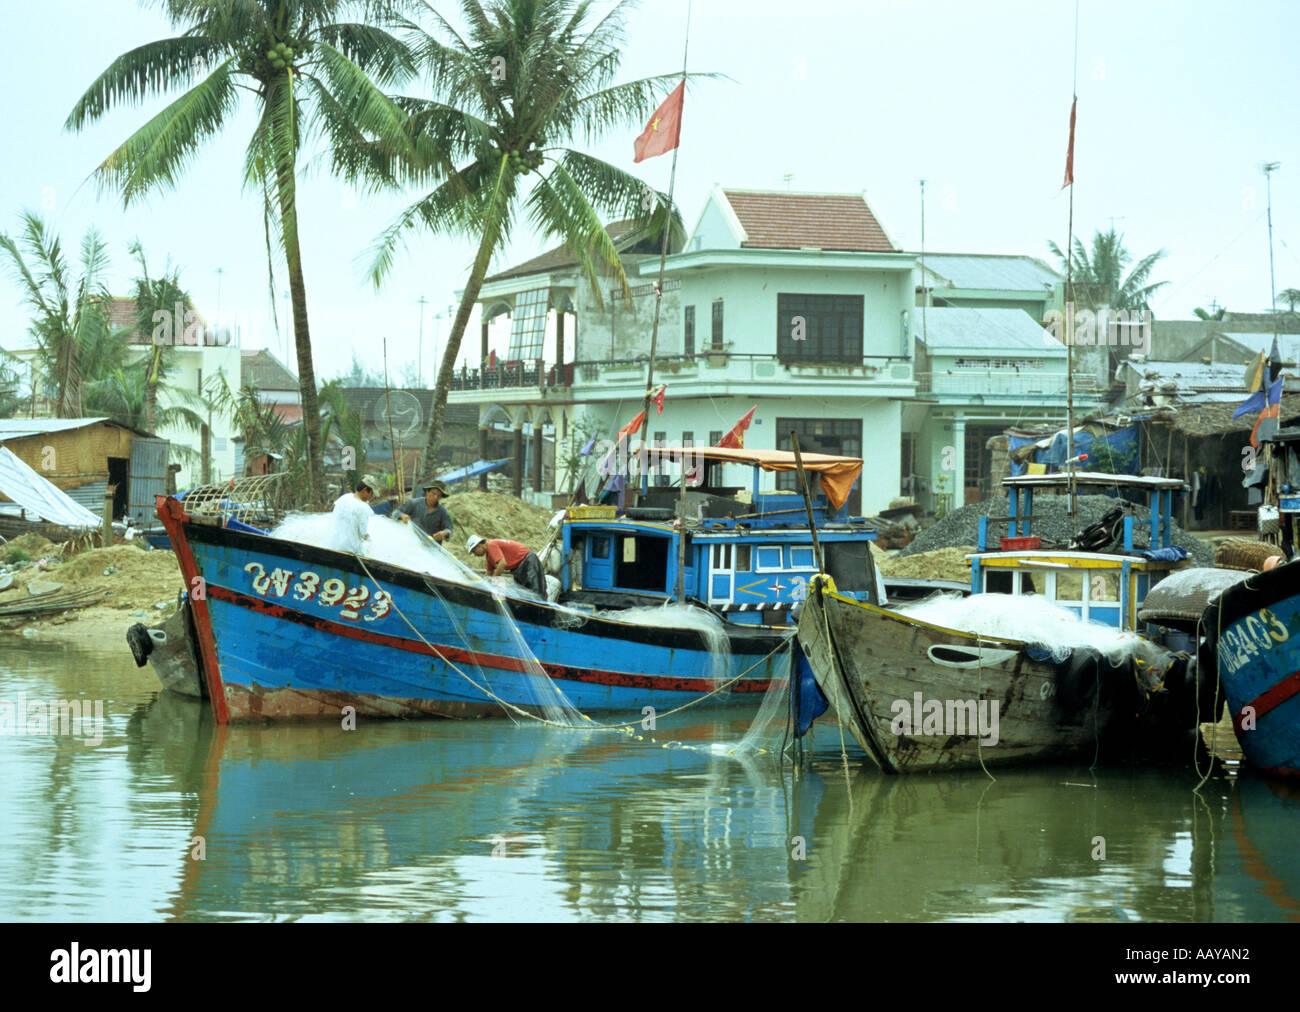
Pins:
x: 503, y: 556
x: 428, y: 512
x: 352, y: 515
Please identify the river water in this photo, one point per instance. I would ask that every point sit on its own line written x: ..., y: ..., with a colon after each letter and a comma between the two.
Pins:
x: 171, y: 818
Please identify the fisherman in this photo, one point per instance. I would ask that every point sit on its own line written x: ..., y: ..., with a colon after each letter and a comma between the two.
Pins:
x: 501, y: 556
x: 352, y: 515
x: 428, y: 512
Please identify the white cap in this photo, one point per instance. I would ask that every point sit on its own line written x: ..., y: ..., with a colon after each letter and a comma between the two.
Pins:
x: 473, y: 542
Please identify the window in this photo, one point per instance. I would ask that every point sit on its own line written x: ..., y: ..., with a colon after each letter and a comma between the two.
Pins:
x: 819, y: 328
x: 717, y: 325
x: 661, y: 458
x: 742, y: 558
x: 200, y: 380
x: 721, y: 558
x: 600, y: 548
x: 688, y: 331
x: 802, y: 558
x: 841, y: 437
x: 715, y: 437
x: 767, y: 559
x: 688, y: 438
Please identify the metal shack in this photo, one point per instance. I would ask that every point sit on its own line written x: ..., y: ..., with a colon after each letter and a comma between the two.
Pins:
x: 84, y: 457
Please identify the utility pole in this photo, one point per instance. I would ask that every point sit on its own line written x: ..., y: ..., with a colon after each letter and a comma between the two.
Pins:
x: 1269, y: 169
x: 419, y: 346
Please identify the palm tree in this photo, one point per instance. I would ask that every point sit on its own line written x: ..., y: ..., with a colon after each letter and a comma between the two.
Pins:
x: 1099, y: 279
x: 154, y: 295
x: 1215, y: 312
x: 527, y: 77
x: 69, y: 314
x: 1290, y: 296
x: 308, y: 66
x: 124, y: 396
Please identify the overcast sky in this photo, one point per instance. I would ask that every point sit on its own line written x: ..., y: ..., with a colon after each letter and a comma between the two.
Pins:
x: 1180, y: 104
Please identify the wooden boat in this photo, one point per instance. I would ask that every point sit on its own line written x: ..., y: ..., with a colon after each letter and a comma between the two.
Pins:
x: 1252, y: 640
x: 917, y: 696
x: 288, y: 631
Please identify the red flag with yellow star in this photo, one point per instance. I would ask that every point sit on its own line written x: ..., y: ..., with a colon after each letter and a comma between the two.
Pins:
x: 664, y: 130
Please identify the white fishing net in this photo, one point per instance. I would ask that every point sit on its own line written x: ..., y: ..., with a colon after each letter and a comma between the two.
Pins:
x: 1030, y: 618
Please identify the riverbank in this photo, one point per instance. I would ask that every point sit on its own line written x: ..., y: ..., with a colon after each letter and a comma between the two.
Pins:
x: 136, y: 584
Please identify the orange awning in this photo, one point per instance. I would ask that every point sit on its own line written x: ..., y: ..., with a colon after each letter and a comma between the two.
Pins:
x: 837, y: 474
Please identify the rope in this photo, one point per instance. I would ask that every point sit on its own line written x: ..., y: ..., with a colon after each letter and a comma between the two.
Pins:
x: 979, y: 741
x: 511, y: 707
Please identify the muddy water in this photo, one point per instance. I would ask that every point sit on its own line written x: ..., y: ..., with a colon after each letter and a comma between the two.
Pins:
x: 170, y: 818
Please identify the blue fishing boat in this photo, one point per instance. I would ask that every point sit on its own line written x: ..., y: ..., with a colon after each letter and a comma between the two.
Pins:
x: 283, y: 630
x: 1252, y: 639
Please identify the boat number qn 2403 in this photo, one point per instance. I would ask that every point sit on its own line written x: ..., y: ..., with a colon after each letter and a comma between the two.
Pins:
x: 331, y: 593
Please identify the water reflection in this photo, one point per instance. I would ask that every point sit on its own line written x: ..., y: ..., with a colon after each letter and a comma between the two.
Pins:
x: 483, y: 820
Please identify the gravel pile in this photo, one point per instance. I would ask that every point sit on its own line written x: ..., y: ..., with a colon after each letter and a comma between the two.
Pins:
x: 1052, y: 523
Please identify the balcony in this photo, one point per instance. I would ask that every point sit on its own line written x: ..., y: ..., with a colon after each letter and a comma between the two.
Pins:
x: 1005, y: 383
x: 513, y: 375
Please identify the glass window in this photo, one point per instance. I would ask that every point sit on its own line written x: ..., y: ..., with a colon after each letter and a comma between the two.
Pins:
x: 1103, y: 587
x: 819, y: 328
x: 717, y: 324
x: 688, y: 330
x: 1069, y: 586
x: 600, y: 548
x: 742, y: 558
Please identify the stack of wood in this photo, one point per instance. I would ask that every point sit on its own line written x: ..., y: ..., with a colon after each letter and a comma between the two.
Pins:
x: 1244, y: 554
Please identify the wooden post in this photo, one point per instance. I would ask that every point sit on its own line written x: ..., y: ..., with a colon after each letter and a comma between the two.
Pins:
x: 1187, y: 477
x: 537, y: 457
x: 519, y: 464
x: 807, y: 503
x: 108, y: 515
x: 681, y: 533
x: 482, y: 455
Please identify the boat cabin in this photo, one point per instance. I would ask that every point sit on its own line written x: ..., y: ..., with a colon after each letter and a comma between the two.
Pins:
x: 748, y: 556
x: 1106, y: 587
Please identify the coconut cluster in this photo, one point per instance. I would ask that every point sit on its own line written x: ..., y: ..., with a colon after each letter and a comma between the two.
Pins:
x: 525, y: 161
x: 274, y: 60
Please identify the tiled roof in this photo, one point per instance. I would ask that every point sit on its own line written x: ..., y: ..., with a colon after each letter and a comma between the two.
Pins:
x: 264, y: 371
x: 984, y: 330
x: 559, y: 258
x: 1016, y: 273
x: 123, y: 312
x: 828, y: 221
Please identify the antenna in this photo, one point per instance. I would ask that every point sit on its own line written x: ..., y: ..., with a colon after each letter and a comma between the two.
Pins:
x: 787, y: 178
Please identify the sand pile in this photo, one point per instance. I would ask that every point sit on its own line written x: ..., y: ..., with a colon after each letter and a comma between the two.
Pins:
x: 495, y: 515
x: 140, y: 579
x: 944, y: 564
x: 1052, y: 523
x: 32, y: 545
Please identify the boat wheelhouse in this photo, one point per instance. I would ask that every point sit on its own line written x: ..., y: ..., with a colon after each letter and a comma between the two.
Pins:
x: 748, y: 555
x: 1098, y: 586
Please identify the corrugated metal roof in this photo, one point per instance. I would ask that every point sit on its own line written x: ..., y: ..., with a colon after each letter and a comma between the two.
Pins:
x: 17, y: 428
x: 1191, y: 375
x: 990, y: 271
x: 987, y: 330
x: 1287, y: 344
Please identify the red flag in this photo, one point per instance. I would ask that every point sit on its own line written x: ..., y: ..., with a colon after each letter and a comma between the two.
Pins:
x: 664, y: 129
x: 658, y: 398
x: 736, y: 437
x: 1069, y: 154
x: 633, y: 426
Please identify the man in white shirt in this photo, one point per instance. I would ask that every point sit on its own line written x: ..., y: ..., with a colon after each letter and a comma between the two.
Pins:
x: 352, y: 515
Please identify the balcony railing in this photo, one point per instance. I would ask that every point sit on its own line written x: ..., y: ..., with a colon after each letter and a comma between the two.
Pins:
x: 513, y: 375
x: 1005, y: 383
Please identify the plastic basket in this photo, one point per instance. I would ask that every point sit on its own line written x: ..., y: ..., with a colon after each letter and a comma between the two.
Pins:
x: 1020, y: 544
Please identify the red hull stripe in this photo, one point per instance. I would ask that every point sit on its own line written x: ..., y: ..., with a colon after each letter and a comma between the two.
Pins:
x: 470, y: 657
x: 1270, y: 699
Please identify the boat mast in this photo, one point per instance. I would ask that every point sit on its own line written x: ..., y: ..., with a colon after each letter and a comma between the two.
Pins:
x: 659, y: 285
x: 1069, y: 294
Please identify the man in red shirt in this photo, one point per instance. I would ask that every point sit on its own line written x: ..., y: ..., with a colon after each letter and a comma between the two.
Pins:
x: 501, y: 556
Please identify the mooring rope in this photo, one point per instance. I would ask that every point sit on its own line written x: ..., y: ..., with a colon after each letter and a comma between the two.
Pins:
x: 626, y: 725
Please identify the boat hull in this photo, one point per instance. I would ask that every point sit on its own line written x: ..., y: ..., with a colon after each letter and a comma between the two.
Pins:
x: 919, y: 697
x: 292, y: 632
x: 1253, y: 642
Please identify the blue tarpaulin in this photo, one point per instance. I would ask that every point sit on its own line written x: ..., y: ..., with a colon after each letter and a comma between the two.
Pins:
x: 1122, y: 443
x: 809, y: 703
x: 472, y: 470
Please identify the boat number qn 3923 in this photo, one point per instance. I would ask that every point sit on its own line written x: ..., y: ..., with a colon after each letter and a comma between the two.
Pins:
x: 328, y: 594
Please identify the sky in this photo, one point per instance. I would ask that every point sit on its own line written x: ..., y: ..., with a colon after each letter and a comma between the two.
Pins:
x: 1180, y: 105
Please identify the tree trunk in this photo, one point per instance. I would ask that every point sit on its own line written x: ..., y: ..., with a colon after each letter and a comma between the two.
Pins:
x: 487, y: 246
x: 286, y: 191
x: 150, y: 406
